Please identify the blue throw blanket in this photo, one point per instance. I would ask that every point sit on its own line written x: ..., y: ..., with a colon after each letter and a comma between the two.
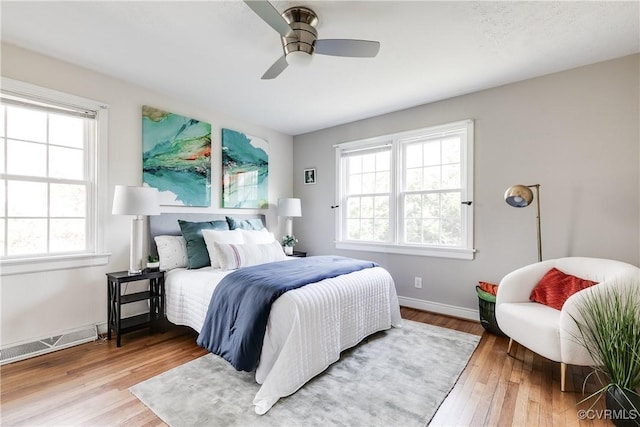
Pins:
x: 237, y: 317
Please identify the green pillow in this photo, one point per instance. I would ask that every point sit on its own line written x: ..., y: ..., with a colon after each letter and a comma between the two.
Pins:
x: 197, y: 254
x: 245, y: 224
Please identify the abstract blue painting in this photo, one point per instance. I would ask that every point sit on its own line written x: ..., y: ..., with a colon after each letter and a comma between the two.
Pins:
x: 176, y: 157
x: 245, y: 171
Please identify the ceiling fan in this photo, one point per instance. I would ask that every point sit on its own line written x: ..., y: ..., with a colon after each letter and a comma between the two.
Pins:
x: 296, y: 26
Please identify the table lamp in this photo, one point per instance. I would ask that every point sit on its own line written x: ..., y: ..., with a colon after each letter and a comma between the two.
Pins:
x: 137, y: 201
x: 289, y: 208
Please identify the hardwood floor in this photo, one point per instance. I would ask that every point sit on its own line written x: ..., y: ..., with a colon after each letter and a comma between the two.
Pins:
x: 88, y: 384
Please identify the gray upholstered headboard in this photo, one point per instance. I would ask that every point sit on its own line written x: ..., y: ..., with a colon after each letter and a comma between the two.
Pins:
x: 166, y: 224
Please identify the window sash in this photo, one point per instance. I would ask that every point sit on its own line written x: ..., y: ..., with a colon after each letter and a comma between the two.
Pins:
x: 440, y: 190
x: 439, y: 219
x: 360, y: 151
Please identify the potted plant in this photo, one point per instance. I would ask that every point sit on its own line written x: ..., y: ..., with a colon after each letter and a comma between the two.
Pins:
x: 153, y: 262
x: 608, y: 321
x: 288, y: 242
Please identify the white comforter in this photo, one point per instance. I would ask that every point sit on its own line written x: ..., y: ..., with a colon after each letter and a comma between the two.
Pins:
x: 307, y: 328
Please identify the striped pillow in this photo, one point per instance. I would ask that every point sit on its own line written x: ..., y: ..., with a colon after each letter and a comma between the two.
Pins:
x: 556, y: 287
x: 232, y: 256
x: 220, y: 236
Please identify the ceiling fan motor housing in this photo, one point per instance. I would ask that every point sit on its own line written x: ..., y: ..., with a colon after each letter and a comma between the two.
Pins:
x: 303, y: 35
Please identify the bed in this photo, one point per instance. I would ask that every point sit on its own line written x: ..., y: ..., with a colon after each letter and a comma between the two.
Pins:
x: 307, y: 327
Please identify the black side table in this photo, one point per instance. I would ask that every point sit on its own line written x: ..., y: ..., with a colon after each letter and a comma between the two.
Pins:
x: 154, y: 319
x: 299, y: 254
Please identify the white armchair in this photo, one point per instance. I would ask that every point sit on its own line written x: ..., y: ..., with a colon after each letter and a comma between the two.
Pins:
x: 545, y: 330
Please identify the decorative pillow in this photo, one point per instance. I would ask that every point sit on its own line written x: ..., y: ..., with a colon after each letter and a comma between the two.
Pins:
x: 220, y: 236
x: 257, y: 237
x: 234, y: 256
x: 556, y: 287
x: 245, y: 224
x: 489, y: 288
x: 197, y: 254
x: 172, y: 251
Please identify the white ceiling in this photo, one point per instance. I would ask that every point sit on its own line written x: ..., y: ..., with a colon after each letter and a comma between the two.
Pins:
x: 213, y: 53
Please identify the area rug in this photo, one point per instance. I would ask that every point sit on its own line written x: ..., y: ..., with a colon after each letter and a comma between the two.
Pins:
x: 397, y: 377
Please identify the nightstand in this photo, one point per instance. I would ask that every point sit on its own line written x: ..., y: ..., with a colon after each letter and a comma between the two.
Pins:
x: 299, y: 254
x: 154, y: 319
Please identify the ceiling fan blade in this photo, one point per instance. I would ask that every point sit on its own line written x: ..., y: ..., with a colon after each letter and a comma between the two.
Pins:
x: 270, y: 15
x: 347, y: 47
x: 275, y: 70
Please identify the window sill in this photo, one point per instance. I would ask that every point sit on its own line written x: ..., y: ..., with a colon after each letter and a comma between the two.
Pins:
x: 455, y: 253
x: 9, y: 267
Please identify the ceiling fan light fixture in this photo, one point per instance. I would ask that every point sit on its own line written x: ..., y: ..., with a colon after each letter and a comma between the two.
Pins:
x: 299, y: 58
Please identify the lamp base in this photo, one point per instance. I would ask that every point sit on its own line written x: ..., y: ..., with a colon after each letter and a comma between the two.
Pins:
x: 135, y: 255
x: 289, y: 226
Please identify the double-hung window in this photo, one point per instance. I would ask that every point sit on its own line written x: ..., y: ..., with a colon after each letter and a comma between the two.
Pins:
x: 408, y: 193
x: 51, y: 179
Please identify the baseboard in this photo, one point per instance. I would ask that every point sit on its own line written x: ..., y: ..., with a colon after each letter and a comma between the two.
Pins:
x: 436, y: 307
x: 102, y: 328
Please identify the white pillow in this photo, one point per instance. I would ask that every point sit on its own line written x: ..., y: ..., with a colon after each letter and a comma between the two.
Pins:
x: 234, y: 256
x: 220, y: 236
x: 172, y: 251
x: 257, y: 237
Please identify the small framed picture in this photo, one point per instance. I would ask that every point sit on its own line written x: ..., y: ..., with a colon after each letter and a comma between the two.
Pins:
x: 310, y: 176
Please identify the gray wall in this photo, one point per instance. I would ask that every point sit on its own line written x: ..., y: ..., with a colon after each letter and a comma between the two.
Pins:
x: 575, y: 133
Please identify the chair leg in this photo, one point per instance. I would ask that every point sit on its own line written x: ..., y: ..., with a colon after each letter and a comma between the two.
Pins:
x: 509, y: 348
x: 563, y: 374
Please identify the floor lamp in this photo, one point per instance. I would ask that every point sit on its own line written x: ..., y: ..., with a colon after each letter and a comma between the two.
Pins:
x: 137, y: 201
x: 521, y: 196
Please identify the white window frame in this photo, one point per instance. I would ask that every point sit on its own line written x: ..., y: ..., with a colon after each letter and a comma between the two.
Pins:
x: 97, y: 155
x: 465, y: 251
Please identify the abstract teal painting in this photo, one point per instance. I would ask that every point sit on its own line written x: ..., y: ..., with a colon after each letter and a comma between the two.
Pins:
x: 245, y: 171
x: 176, y: 157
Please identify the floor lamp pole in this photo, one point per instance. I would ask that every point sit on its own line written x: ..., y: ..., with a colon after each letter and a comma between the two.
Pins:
x: 521, y: 196
x: 537, y: 186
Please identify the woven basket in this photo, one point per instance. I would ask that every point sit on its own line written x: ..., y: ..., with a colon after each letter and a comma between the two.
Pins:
x: 487, y: 306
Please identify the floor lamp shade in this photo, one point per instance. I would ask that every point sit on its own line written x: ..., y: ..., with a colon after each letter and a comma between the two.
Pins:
x: 521, y: 196
x: 137, y: 201
x: 289, y: 208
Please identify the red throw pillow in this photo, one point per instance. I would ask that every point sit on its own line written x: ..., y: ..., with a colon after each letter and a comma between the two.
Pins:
x: 556, y: 287
x: 489, y: 288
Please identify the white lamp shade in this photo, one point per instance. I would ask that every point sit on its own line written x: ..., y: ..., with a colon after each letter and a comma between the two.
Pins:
x: 289, y: 207
x: 135, y: 201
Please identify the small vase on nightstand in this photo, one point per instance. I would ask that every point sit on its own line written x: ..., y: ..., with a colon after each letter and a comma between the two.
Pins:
x: 288, y: 250
x: 153, y: 265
